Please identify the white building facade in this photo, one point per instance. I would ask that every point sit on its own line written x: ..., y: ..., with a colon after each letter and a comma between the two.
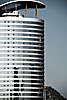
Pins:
x: 21, y: 54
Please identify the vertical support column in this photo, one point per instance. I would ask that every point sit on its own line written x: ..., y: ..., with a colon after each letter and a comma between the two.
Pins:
x: 44, y: 93
x: 5, y: 9
x: 36, y: 10
x: 16, y: 7
x: 26, y: 9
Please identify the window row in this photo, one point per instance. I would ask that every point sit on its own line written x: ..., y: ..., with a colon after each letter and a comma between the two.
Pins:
x: 30, y: 39
x: 22, y: 30
x: 21, y: 51
x: 33, y: 60
x: 19, y: 98
x: 26, y: 22
x: 22, y: 68
x: 26, y: 47
x: 19, y: 63
x: 21, y: 34
x: 19, y: 72
x: 31, y: 43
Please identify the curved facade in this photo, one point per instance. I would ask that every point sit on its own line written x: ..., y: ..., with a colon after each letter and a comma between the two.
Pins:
x: 21, y: 58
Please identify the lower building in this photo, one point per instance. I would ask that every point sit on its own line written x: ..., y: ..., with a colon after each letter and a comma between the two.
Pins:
x: 52, y: 94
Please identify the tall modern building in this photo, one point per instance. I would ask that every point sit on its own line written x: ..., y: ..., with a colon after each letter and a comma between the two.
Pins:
x: 21, y: 51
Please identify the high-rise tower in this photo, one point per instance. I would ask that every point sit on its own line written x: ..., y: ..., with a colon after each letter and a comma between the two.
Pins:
x: 21, y: 52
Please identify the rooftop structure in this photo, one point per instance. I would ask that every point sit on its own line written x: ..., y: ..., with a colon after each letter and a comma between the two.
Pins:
x: 20, y: 4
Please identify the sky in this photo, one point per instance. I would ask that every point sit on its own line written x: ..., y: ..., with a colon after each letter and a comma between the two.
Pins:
x: 55, y: 17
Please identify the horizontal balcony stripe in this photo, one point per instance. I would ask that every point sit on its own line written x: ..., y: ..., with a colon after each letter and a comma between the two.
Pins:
x: 9, y: 49
x: 24, y: 85
x: 20, y: 45
x: 21, y: 19
x: 2, y: 75
x: 13, y: 53
x: 18, y: 28
x: 21, y: 27
x: 8, y: 83
x: 20, y: 70
x: 21, y: 88
x: 22, y: 73
x: 11, y: 83
x: 17, y: 24
x: 21, y: 49
x: 16, y: 48
x: 13, y: 32
x: 8, y: 36
x: 20, y: 41
x: 28, y: 46
x: 12, y: 72
x: 20, y: 76
x: 21, y: 61
x: 20, y: 96
x: 16, y: 58
x: 21, y: 55
x: 20, y: 79
x: 21, y: 34
x: 21, y: 66
x: 28, y: 83
x: 10, y: 58
x: 19, y: 92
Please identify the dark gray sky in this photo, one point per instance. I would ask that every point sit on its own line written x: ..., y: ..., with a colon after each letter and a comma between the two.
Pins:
x: 55, y: 16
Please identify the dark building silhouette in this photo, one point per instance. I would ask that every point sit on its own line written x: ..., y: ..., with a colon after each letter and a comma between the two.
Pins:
x: 52, y: 94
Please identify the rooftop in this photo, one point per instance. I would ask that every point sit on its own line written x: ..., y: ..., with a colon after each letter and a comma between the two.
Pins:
x: 20, y: 4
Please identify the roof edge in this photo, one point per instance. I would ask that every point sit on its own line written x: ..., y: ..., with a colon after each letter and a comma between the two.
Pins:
x: 16, y: 1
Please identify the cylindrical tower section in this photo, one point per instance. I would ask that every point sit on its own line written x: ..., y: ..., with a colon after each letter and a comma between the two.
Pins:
x: 21, y: 58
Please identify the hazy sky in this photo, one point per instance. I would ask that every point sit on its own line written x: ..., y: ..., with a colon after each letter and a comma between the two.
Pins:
x: 55, y: 16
